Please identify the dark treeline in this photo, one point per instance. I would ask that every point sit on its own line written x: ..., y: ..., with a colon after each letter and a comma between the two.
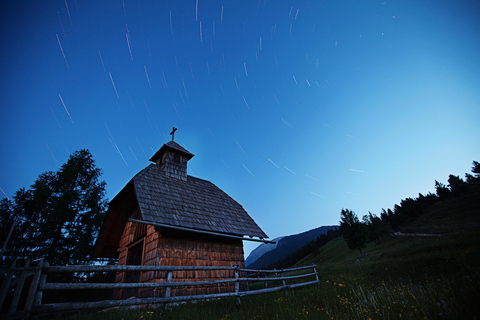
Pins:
x: 414, y: 207
x: 372, y: 228
x: 304, y: 251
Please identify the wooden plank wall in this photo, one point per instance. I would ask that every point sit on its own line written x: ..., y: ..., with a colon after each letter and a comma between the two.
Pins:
x: 127, y: 237
x: 177, y: 248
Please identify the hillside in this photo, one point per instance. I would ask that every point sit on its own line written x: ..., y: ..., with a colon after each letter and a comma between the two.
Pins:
x: 456, y: 221
x: 286, y: 246
x: 261, y: 250
x: 451, y: 213
x: 405, y: 277
x: 427, y: 268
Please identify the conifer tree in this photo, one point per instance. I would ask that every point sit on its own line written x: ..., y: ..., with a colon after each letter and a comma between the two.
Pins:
x: 354, y: 232
x: 58, y: 218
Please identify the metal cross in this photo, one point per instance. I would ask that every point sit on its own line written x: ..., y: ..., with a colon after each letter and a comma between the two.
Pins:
x: 173, y: 133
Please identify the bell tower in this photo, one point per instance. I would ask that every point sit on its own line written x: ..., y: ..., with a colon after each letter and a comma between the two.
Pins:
x: 172, y: 159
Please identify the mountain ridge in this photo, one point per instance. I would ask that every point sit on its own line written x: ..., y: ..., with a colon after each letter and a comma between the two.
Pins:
x: 261, y: 250
x: 284, y: 247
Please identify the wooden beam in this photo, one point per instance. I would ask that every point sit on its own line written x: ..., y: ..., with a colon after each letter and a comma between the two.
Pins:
x: 279, y: 270
x: 199, y: 231
x: 122, y: 268
x: 167, y: 284
x: 8, y: 236
x: 56, y: 307
x: 18, y: 289
x: 33, y: 287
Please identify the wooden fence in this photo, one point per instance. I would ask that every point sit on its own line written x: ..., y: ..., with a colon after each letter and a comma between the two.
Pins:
x: 15, y: 278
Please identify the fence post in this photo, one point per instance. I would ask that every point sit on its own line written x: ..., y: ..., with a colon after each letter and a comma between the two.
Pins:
x: 18, y: 289
x: 6, y: 283
x: 316, y: 273
x: 284, y: 284
x: 39, y: 293
x: 169, y: 279
x: 33, y: 288
x: 168, y: 289
x: 237, y: 282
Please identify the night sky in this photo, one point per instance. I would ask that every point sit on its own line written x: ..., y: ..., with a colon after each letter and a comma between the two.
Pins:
x: 296, y: 109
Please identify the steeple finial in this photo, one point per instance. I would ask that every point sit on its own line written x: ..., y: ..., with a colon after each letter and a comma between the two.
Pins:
x: 173, y: 133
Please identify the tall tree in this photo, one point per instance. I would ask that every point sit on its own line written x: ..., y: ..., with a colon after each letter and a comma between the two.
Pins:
x: 375, y: 226
x: 59, y: 217
x: 475, y: 179
x: 456, y: 185
x: 354, y: 232
x: 442, y: 191
x: 476, y: 169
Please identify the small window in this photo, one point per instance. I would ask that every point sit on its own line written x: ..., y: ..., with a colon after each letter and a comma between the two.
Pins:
x: 135, y: 254
x: 176, y: 159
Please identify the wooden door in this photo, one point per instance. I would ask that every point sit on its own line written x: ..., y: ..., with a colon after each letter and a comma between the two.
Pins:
x: 134, y: 258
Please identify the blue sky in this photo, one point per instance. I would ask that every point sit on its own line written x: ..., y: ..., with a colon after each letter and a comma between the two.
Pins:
x: 296, y: 109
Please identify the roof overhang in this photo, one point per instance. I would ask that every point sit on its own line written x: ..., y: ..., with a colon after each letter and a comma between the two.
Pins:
x: 200, y: 231
x: 171, y: 146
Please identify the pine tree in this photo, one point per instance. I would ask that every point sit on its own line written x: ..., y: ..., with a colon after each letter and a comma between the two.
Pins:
x: 354, y: 232
x: 59, y: 217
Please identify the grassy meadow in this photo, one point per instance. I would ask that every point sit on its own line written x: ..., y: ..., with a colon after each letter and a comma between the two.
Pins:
x: 405, y: 277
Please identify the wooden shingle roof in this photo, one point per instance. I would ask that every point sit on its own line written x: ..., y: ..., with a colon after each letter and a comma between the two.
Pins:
x: 195, y: 203
x: 171, y: 145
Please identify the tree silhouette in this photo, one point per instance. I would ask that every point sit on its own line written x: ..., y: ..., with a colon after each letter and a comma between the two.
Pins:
x: 476, y: 169
x: 59, y: 217
x: 456, y: 185
x: 354, y: 232
x: 475, y: 179
x: 442, y: 190
x: 375, y: 226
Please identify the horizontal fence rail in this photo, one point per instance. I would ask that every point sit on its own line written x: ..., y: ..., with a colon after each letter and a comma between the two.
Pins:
x: 39, y: 285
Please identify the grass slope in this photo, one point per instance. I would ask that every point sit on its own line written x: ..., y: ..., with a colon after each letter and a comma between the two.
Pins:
x: 405, y: 277
x: 453, y: 212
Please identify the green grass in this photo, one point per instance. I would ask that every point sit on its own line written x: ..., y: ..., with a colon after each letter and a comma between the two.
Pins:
x: 338, y: 297
x: 413, y: 278
x: 453, y: 212
x: 407, y: 277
